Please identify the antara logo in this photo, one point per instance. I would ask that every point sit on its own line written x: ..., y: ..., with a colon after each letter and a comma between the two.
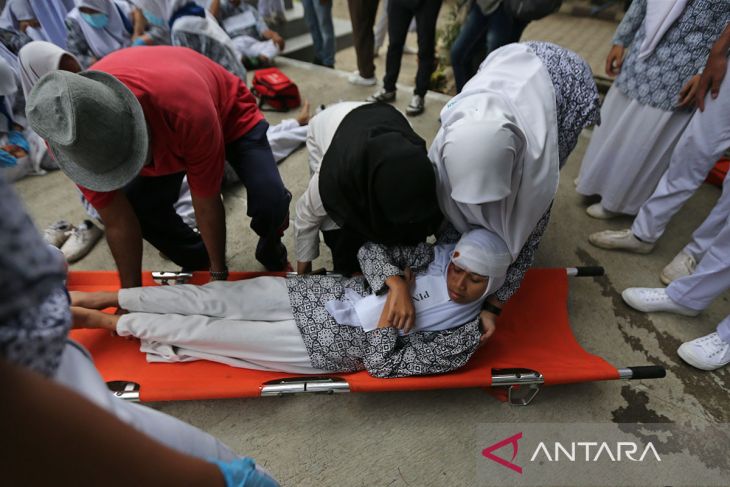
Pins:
x: 587, y: 451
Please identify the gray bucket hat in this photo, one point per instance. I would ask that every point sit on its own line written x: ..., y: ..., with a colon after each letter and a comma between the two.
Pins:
x: 93, y: 124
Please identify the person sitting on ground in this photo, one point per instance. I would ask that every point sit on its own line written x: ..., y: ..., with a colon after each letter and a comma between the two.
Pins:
x: 391, y: 322
x: 98, y: 27
x: 375, y: 184
x: 255, y: 43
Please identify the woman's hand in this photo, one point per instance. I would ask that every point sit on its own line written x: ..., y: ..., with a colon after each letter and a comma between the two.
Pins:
x: 615, y: 59
x: 398, y: 311
x: 489, y: 326
x: 688, y: 92
x: 304, y: 267
x: 711, y: 78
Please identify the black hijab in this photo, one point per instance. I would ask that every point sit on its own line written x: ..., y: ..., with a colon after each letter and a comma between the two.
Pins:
x: 376, y: 181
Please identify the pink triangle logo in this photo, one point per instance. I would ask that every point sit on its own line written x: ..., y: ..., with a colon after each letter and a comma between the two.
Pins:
x: 487, y: 452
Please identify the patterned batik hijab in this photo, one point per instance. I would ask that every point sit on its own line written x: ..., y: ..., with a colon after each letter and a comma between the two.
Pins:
x: 576, y: 94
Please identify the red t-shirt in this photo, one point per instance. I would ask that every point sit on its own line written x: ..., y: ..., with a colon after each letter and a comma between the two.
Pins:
x: 193, y: 108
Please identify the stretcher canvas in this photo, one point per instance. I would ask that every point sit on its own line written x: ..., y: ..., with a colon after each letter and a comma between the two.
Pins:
x: 532, y: 333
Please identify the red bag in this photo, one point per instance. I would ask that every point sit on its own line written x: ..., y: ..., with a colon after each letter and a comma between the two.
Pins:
x: 719, y: 172
x: 274, y: 88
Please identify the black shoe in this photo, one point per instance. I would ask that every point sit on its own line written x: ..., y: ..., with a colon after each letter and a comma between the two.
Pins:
x: 272, y: 255
x: 416, y: 106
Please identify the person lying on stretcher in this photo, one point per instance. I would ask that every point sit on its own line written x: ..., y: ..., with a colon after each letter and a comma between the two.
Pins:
x: 390, y: 321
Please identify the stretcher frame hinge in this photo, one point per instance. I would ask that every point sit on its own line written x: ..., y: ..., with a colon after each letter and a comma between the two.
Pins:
x: 522, y: 384
x: 129, y: 391
x: 302, y: 385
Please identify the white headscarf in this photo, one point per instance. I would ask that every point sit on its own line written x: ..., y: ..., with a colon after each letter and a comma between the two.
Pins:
x: 485, y: 253
x: 496, y: 154
x: 52, y: 16
x: 109, y: 39
x: 8, y: 81
x: 8, y: 88
x: 659, y: 17
x: 37, y: 59
x: 479, y: 251
x: 21, y: 9
x: 161, y: 8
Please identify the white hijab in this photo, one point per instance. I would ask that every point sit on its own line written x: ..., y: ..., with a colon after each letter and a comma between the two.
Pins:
x: 659, y: 17
x: 109, y: 39
x: 8, y: 88
x: 37, y: 59
x: 496, y: 154
x: 160, y: 8
x: 479, y: 251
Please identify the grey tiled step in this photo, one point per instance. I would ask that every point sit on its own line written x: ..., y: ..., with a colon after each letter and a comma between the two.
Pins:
x: 300, y: 47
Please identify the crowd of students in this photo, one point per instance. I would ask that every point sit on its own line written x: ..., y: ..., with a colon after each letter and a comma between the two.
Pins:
x: 131, y: 136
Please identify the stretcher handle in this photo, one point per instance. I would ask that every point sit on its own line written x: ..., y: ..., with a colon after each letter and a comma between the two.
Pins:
x: 585, y: 271
x: 643, y: 372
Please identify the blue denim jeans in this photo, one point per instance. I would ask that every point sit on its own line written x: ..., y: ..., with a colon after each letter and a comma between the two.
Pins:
x: 319, y: 19
x: 495, y: 30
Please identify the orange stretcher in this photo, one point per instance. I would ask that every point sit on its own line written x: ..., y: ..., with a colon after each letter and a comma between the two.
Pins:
x: 533, y: 346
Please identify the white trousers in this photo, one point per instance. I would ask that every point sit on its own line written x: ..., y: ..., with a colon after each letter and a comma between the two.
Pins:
x: 77, y: 372
x: 712, y: 275
x: 246, y: 324
x: 704, y: 140
x: 247, y: 46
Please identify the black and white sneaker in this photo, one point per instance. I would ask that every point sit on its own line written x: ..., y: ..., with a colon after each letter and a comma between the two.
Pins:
x: 382, y: 96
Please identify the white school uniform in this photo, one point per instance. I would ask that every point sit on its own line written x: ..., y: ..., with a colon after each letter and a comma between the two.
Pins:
x: 704, y: 140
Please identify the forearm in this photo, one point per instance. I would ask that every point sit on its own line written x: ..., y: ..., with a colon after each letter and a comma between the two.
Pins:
x: 50, y: 427
x: 211, y: 218
x: 140, y: 23
x: 215, y: 8
x: 722, y: 45
x: 124, y: 236
x: 125, y: 244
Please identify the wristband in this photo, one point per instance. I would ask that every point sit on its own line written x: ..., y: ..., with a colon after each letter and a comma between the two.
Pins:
x: 219, y: 275
x: 491, y: 308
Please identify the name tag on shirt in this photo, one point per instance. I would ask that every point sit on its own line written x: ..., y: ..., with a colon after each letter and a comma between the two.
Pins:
x: 240, y: 22
x: 428, y: 292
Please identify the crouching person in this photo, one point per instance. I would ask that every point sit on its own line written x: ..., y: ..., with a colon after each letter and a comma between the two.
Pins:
x: 391, y: 321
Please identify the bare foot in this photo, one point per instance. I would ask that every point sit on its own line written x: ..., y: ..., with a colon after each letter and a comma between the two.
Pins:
x: 303, y: 115
x: 91, y: 318
x: 94, y: 300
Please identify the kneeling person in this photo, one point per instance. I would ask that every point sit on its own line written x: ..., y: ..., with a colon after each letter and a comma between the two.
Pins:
x: 390, y: 321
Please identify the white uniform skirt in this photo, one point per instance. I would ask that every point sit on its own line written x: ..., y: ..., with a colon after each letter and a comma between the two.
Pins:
x: 629, y: 152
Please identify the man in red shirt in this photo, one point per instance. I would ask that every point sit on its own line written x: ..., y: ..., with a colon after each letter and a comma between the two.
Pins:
x: 130, y: 129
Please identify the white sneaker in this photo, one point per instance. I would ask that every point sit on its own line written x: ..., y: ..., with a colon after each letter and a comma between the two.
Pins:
x: 620, y: 240
x: 709, y: 352
x: 57, y: 233
x: 409, y: 50
x: 82, y: 240
x: 681, y: 265
x: 356, y: 79
x: 598, y: 211
x: 650, y: 299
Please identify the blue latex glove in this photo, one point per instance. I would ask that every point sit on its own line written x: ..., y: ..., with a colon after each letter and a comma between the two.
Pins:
x: 17, y: 138
x: 139, y: 41
x: 6, y: 159
x: 242, y: 473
